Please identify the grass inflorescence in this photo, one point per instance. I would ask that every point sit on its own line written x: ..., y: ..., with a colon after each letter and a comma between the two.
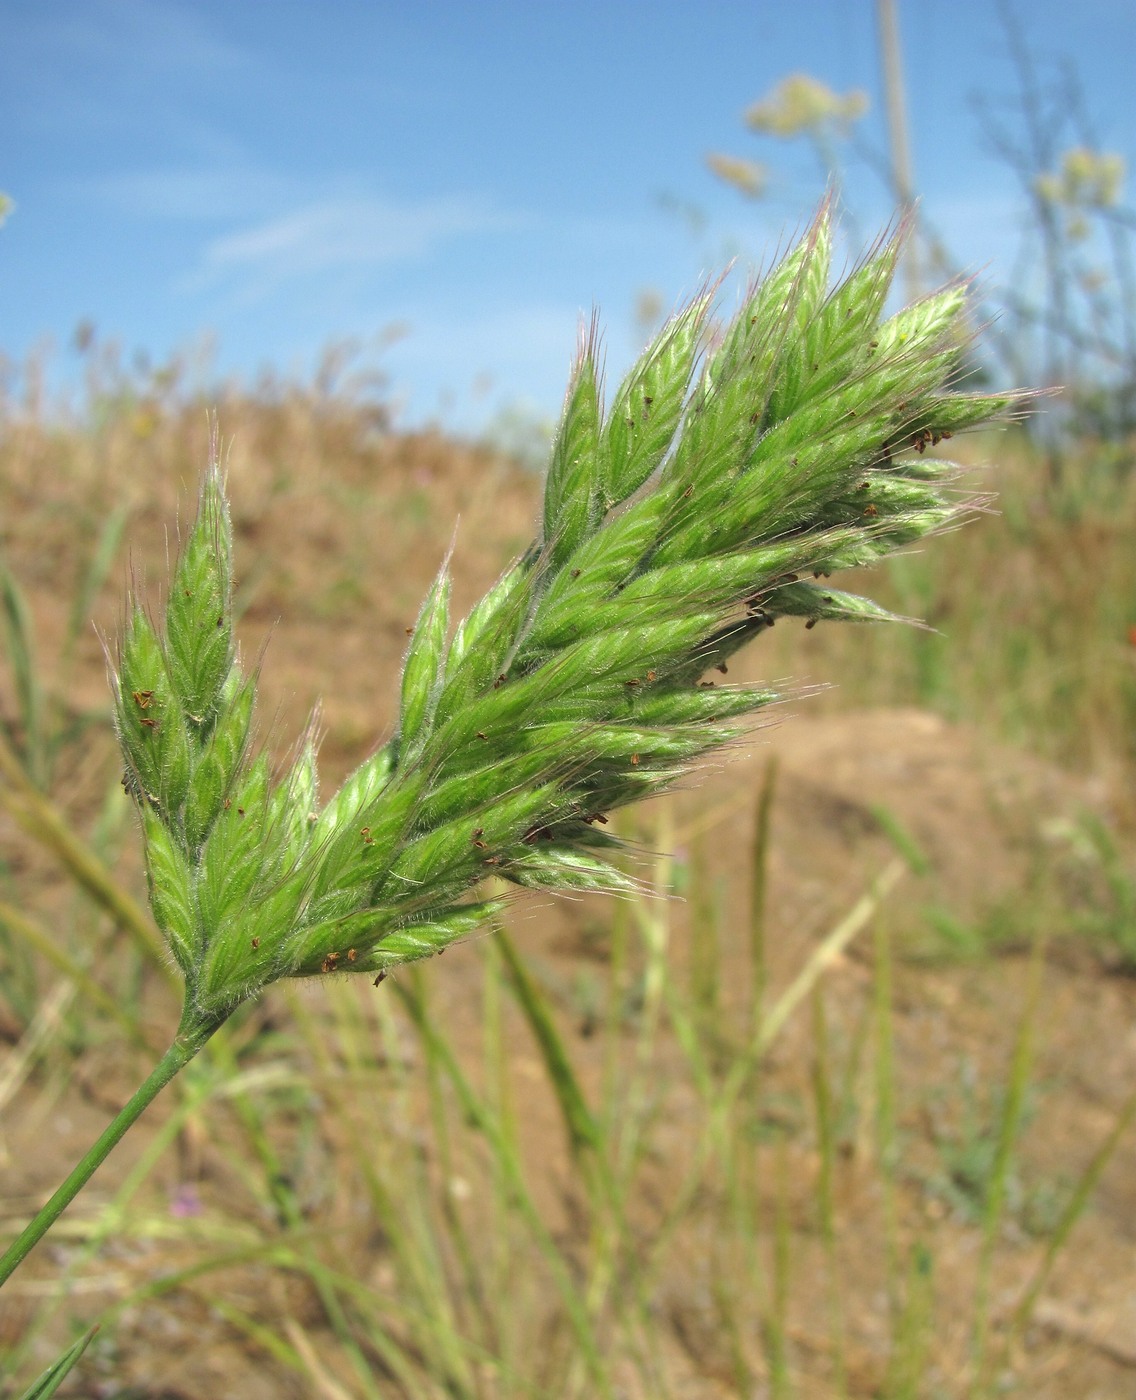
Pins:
x: 733, y: 472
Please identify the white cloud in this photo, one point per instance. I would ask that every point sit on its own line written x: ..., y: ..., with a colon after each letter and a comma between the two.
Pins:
x: 140, y: 36
x: 352, y: 232
x: 207, y: 194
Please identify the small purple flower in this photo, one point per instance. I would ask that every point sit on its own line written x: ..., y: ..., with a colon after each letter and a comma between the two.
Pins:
x: 185, y: 1202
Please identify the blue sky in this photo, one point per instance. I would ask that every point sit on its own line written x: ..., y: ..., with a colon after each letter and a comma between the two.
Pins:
x: 455, y: 184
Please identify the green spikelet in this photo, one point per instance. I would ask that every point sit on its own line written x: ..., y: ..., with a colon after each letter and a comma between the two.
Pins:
x: 573, y: 496
x: 424, y: 668
x: 710, y: 500
x: 648, y: 407
x: 151, y: 722
x: 199, y: 622
x: 170, y: 878
x: 220, y: 758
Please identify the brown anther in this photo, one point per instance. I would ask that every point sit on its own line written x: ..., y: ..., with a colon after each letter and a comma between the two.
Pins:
x: 812, y: 622
x: 240, y: 811
x: 142, y: 698
x: 256, y: 942
x: 382, y: 977
x: 871, y: 511
x: 633, y: 681
x: 478, y: 831
x: 351, y: 955
x: 150, y: 723
x: 501, y: 679
x: 706, y: 685
x: 329, y: 963
x: 228, y: 803
x: 635, y: 760
x: 651, y: 675
x: 481, y: 846
x: 492, y: 860
x: 722, y: 668
x: 575, y: 573
x: 366, y: 835
x: 481, y: 735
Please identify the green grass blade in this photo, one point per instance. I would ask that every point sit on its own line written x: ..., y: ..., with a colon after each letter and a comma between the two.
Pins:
x: 886, y: 1139
x: 583, y: 1130
x: 59, y: 1370
x: 1073, y: 1210
x: 43, y: 820
x: 1008, y: 1130
x: 825, y: 1201
x: 96, y: 570
x: 759, y: 895
x: 481, y: 1118
x: 93, y: 992
x: 19, y: 638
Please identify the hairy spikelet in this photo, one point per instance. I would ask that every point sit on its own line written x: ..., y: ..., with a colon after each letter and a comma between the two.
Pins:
x: 677, y: 526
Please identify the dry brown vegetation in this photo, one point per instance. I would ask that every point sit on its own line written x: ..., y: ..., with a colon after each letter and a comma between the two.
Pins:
x: 338, y: 1212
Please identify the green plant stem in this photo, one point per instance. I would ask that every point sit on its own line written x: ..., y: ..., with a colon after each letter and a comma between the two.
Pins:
x: 1008, y: 1133
x: 191, y: 1037
x: 1070, y: 1215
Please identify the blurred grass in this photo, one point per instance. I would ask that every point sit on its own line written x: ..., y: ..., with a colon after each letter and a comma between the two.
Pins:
x: 670, y: 1180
